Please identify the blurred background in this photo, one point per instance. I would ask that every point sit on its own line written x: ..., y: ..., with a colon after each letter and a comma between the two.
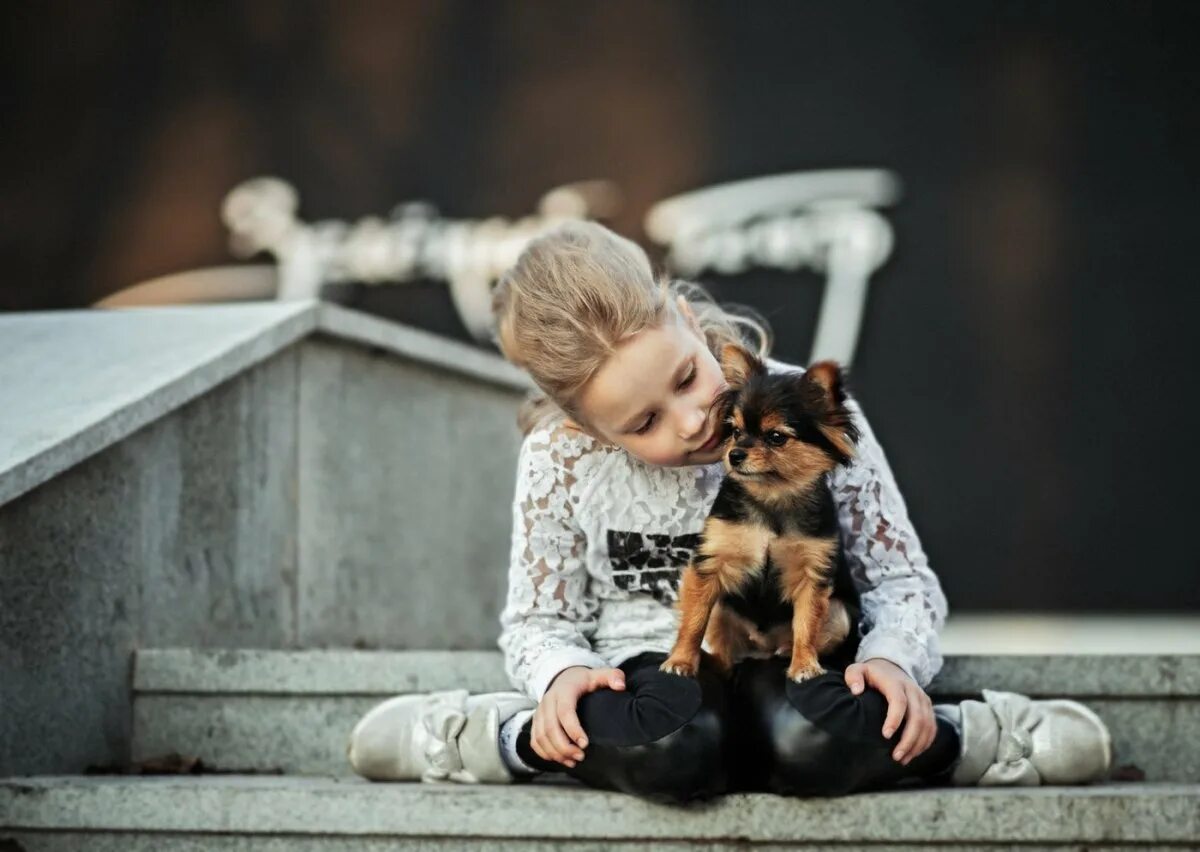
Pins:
x: 1026, y: 352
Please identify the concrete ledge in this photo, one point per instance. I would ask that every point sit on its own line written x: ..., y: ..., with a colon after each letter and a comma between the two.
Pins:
x: 1083, y: 676
x: 1153, y: 815
x: 292, y: 711
x: 419, y: 345
x: 1042, y: 632
x: 388, y: 672
x: 75, y: 382
x: 261, y: 672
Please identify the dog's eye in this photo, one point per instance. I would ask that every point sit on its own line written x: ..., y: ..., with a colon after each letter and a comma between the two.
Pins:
x: 736, y: 433
x: 776, y: 439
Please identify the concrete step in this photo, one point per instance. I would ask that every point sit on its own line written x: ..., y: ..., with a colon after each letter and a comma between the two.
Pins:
x: 292, y: 711
x: 137, y: 814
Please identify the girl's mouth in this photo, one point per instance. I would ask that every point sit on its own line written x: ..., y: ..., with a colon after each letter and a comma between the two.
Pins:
x: 712, y: 442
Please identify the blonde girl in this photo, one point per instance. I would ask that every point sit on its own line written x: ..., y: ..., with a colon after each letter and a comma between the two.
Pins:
x: 619, y: 465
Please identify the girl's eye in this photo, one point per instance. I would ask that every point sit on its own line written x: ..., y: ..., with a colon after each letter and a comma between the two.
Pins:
x: 777, y: 439
x: 650, y: 420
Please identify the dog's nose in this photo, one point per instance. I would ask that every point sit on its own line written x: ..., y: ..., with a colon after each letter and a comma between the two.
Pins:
x: 736, y: 456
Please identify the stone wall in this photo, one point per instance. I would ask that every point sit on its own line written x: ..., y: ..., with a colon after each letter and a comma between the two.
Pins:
x: 331, y: 495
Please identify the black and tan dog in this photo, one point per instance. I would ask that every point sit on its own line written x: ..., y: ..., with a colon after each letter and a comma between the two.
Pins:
x: 765, y: 565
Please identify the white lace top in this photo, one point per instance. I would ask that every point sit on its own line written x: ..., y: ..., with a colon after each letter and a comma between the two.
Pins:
x: 599, y: 539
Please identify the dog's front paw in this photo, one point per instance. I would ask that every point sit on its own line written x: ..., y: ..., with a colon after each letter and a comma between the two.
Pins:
x: 681, y: 665
x: 800, y: 672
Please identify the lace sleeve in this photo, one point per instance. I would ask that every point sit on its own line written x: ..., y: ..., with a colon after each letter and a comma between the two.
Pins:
x: 902, y: 602
x: 549, y: 615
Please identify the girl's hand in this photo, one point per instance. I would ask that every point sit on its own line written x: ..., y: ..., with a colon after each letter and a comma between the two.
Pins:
x: 555, y: 733
x: 904, y: 698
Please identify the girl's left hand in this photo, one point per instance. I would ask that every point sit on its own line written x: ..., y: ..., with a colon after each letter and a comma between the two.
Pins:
x: 904, y: 698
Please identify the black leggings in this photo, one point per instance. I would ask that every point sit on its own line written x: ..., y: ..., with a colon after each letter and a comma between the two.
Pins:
x: 673, y: 739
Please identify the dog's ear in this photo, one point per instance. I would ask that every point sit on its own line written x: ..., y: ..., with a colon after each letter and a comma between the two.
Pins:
x: 828, y: 382
x: 828, y: 376
x: 739, y: 364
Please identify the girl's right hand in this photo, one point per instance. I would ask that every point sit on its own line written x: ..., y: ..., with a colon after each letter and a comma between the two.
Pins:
x: 556, y: 733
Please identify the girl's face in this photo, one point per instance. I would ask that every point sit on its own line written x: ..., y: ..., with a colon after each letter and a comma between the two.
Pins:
x: 654, y: 396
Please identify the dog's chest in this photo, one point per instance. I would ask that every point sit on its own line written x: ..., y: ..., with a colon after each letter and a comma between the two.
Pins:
x: 759, y: 599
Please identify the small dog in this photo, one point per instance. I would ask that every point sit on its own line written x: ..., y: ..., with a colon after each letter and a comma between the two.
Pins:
x: 769, y: 551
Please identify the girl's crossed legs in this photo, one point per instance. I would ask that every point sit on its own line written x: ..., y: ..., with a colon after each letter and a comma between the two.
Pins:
x: 672, y: 739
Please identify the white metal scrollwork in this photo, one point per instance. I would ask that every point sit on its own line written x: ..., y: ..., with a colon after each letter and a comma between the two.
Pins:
x: 414, y: 243
x: 820, y: 220
x: 824, y: 221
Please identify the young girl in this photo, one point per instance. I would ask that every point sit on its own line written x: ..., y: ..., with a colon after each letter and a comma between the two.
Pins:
x: 619, y: 466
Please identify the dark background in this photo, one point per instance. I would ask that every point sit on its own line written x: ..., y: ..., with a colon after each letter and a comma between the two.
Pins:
x: 1027, y: 353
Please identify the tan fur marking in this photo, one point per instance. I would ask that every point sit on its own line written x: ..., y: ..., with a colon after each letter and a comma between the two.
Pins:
x: 775, y: 421
x: 825, y: 374
x: 778, y: 639
x: 697, y: 594
x: 727, y: 637
x: 809, y: 609
x: 835, y: 628
x: 802, y: 560
x: 734, y: 551
x: 801, y: 463
x: 838, y: 438
x: 765, y: 493
x: 737, y: 364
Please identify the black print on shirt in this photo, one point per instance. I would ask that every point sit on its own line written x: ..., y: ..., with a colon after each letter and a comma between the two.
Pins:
x: 650, y: 562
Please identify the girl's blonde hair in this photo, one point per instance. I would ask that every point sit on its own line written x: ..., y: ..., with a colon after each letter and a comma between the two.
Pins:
x: 576, y: 292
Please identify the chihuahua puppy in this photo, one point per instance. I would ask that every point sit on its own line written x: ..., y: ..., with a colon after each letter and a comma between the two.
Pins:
x: 765, y: 567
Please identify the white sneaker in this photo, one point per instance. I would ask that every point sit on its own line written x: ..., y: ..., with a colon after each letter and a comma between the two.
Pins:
x: 435, y: 736
x: 1009, y: 739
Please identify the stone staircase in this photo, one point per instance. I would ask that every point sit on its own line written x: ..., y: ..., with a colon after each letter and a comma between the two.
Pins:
x: 305, y: 813
x: 198, y: 522
x: 270, y: 728
x: 291, y: 711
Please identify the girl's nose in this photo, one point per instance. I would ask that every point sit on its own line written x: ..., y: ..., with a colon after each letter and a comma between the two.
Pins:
x: 693, y: 425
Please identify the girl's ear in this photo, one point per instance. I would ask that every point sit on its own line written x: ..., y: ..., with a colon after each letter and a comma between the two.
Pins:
x: 738, y: 364
x: 686, y: 310
x: 575, y: 427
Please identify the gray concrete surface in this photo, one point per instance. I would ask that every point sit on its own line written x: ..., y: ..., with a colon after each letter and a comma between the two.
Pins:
x: 192, y: 842
x: 132, y: 842
x: 308, y: 734
x: 1071, y: 633
x: 332, y: 672
x: 75, y: 382
x: 1153, y: 815
x: 407, y: 474
x: 153, y: 478
x: 293, y: 711
x: 198, y: 671
x: 182, y: 532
